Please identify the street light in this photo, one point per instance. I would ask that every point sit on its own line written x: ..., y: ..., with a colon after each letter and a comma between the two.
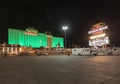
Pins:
x: 65, y: 28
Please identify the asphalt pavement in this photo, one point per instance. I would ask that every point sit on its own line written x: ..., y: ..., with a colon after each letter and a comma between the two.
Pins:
x: 60, y: 70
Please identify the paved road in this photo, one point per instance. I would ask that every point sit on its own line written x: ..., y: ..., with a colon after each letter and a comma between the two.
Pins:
x: 60, y: 70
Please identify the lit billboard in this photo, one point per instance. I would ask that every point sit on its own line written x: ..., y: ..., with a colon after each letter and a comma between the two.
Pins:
x: 98, y: 35
x: 99, y: 41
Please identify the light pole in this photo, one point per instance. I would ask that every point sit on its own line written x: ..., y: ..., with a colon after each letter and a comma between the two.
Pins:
x: 65, y: 28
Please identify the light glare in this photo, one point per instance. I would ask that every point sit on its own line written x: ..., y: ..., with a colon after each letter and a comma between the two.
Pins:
x: 65, y: 27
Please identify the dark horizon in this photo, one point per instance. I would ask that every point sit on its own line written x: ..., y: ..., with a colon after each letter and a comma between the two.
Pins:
x: 52, y: 15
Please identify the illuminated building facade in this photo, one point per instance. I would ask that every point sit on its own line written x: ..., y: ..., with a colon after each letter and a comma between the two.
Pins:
x: 31, y: 37
x: 9, y: 49
x: 99, y: 35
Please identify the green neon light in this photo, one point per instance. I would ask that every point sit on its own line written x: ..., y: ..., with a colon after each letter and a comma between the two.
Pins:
x: 19, y: 37
x: 56, y: 41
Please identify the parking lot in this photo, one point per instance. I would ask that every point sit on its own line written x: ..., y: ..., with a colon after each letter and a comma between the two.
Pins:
x: 60, y: 70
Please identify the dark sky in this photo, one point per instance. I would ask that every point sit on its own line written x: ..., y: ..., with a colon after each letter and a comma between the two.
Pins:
x: 52, y: 15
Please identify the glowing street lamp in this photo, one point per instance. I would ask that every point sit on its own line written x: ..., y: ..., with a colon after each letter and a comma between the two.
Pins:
x: 65, y: 28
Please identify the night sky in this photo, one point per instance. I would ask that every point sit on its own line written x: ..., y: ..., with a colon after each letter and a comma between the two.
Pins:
x: 52, y: 15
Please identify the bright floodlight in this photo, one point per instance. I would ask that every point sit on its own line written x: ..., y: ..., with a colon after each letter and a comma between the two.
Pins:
x: 65, y: 27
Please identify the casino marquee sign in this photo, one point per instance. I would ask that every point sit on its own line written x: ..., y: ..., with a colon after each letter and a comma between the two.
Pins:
x: 98, y: 35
